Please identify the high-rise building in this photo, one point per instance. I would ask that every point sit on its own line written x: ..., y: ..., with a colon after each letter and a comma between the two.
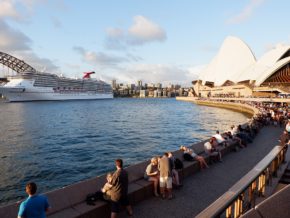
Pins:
x: 140, y: 84
x: 114, y: 84
x: 158, y: 86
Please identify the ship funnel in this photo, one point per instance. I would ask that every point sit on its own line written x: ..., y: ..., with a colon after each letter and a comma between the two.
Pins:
x: 88, y: 75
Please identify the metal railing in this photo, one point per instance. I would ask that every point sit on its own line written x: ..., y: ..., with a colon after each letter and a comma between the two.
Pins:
x: 242, y: 196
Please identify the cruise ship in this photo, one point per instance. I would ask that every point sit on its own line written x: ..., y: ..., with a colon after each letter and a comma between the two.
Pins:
x: 38, y: 86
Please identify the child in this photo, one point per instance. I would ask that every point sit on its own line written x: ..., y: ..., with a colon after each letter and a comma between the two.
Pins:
x: 106, y: 188
x: 104, y: 194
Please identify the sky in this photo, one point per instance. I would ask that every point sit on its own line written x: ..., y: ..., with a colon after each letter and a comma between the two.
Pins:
x: 156, y: 41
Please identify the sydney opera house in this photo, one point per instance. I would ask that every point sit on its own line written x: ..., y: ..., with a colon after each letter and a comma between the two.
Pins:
x: 235, y: 72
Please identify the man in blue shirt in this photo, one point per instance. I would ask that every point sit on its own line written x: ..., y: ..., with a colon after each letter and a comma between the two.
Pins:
x: 35, y: 205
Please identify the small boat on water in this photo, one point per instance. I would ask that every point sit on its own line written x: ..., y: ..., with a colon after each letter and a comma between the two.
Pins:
x: 37, y: 86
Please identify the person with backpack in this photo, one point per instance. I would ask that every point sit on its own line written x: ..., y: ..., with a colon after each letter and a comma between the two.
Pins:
x: 175, y: 165
x: 119, y: 190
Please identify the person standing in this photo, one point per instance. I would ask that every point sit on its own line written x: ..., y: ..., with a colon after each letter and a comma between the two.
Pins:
x: 174, y: 172
x: 165, y: 179
x: 119, y: 190
x: 35, y: 205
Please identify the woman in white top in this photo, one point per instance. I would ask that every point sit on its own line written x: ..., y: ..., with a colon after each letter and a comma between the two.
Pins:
x: 196, y: 157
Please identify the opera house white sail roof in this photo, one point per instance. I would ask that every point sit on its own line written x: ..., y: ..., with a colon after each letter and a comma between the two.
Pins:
x: 236, y: 62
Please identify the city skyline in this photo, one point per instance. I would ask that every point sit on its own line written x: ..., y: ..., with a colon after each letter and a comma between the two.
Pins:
x: 152, y: 41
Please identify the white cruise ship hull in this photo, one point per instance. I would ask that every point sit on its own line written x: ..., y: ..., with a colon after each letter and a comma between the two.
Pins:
x: 12, y: 97
x: 20, y: 94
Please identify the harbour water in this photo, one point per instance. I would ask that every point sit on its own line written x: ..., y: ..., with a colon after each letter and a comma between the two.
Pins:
x: 59, y: 143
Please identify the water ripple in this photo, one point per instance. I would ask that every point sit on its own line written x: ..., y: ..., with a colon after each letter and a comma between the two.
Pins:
x: 59, y: 143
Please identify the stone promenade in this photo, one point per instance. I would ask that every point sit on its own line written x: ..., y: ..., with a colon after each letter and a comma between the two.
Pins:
x: 204, y: 187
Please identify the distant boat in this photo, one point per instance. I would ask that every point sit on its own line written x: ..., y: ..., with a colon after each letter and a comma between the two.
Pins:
x: 36, y: 86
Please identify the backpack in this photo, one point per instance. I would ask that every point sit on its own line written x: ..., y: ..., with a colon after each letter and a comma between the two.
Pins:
x: 92, y: 198
x: 187, y: 157
x: 178, y: 164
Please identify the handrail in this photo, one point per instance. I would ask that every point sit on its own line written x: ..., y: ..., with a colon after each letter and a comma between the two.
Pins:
x: 237, y: 200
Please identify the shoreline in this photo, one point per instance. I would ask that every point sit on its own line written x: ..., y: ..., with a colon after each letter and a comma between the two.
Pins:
x: 243, y: 108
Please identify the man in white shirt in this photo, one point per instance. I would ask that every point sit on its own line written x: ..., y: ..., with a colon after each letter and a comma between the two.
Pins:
x: 221, y: 140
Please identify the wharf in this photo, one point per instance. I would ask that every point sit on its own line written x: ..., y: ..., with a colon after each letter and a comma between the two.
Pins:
x: 204, y: 187
x: 194, y: 99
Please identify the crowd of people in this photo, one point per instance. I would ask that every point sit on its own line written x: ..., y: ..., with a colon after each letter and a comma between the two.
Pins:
x: 163, y: 170
x: 241, y: 136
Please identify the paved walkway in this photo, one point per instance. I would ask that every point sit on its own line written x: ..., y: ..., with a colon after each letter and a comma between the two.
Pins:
x: 204, y: 187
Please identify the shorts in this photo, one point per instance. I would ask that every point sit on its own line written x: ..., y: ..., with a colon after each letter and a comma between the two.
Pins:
x: 115, y: 205
x: 165, y: 182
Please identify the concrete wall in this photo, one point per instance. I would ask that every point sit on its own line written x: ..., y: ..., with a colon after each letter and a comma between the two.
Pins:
x: 243, y: 108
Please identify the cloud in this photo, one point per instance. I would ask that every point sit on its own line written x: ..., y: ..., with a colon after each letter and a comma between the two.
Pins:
x: 40, y: 64
x: 142, y: 31
x: 100, y: 58
x: 7, y: 9
x: 12, y: 40
x: 16, y: 43
x: 18, y: 10
x: 194, y: 72
x: 155, y: 73
x: 246, y: 13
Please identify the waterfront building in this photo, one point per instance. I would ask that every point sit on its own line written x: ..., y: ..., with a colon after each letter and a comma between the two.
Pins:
x: 152, y: 90
x: 235, y: 72
x: 181, y: 90
x: 157, y: 93
x: 151, y: 93
x: 151, y: 85
x: 139, y: 84
x: 114, y: 84
x: 143, y: 93
x: 164, y: 93
x: 158, y: 86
